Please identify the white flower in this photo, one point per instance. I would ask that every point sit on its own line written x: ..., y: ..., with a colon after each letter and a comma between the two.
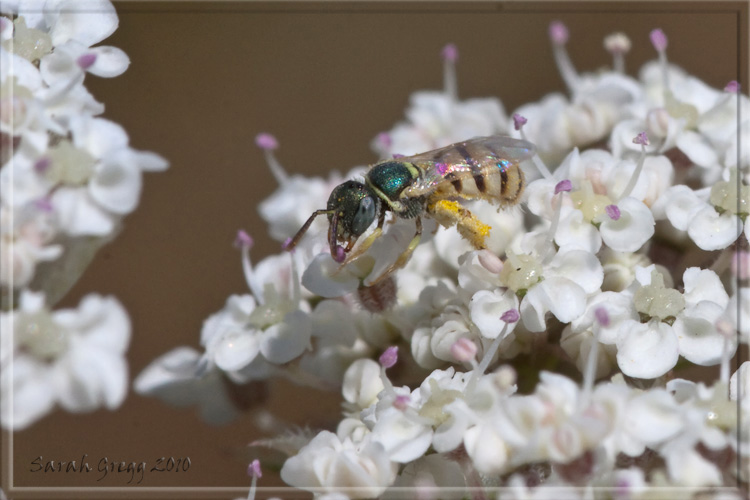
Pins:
x: 330, y: 465
x: 71, y: 357
x: 236, y: 336
x: 599, y: 199
x: 575, y: 232
x: 699, y: 121
x: 73, y: 58
x: 710, y: 416
x: 431, y: 471
x: 556, y: 125
x: 712, y: 219
x: 487, y: 307
x: 100, y: 176
x: 578, y: 337
x: 180, y: 378
x: 88, y: 21
x: 26, y: 238
x: 479, y: 270
x: 404, y: 435
x: 482, y: 424
x: 648, y: 350
x: 639, y: 419
x: 627, y: 226
x: 454, y: 324
x: 559, y: 286
x: 435, y: 119
x: 362, y: 384
x: 687, y: 467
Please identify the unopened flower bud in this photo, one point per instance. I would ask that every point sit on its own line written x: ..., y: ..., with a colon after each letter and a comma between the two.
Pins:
x: 464, y: 350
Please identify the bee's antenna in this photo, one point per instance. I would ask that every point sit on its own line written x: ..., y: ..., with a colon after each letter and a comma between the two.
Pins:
x: 291, y: 243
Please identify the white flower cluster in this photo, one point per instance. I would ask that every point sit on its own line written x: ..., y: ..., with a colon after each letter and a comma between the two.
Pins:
x: 546, y: 365
x: 68, y: 178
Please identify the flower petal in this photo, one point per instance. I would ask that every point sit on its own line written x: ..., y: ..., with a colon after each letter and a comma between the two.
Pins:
x: 579, y: 266
x: 285, y: 341
x: 646, y: 350
x: 486, y: 308
x: 576, y: 233
x: 564, y: 298
x: 236, y: 349
x: 632, y: 230
x: 403, y: 438
x: 148, y: 161
x: 712, y: 231
x: 697, y: 148
x: 88, y: 21
x: 110, y: 62
x: 322, y: 277
x: 653, y: 417
x: 703, y: 284
x: 89, y: 376
x: 699, y: 341
x: 98, y: 136
x: 33, y: 395
x: 116, y: 185
x: 688, y: 468
x: 79, y: 215
x: 679, y: 204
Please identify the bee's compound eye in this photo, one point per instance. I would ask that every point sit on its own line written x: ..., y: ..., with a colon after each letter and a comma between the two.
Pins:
x: 364, y: 216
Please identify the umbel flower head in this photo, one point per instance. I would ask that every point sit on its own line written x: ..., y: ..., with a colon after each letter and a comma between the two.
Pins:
x: 549, y: 362
x: 68, y: 177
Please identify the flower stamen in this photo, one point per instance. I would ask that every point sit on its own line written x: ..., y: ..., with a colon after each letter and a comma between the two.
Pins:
x: 727, y: 331
x: 450, y: 80
x: 561, y: 187
x: 613, y: 211
x: 518, y: 123
x: 508, y: 317
x: 268, y: 144
x: 245, y: 242
x: 387, y: 360
x: 660, y: 42
x: 558, y: 34
x: 730, y: 92
x: 641, y: 139
x: 618, y: 44
x: 589, y: 374
x: 254, y: 471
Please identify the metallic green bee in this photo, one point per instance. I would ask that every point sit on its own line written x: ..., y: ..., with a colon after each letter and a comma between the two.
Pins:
x: 426, y: 184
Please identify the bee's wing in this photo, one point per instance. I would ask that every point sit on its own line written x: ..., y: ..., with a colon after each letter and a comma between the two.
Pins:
x: 472, y: 155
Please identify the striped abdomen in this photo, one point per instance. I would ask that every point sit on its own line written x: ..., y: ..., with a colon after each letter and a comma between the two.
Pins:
x: 486, y: 168
x: 501, y: 185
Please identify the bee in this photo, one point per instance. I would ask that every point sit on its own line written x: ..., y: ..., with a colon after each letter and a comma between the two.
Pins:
x: 426, y: 184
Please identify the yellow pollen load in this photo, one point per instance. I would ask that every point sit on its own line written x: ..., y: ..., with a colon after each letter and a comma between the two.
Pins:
x: 448, y: 206
x: 478, y: 227
x: 449, y: 212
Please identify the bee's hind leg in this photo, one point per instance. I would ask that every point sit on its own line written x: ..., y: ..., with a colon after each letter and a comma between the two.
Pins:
x: 449, y: 213
x: 405, y: 255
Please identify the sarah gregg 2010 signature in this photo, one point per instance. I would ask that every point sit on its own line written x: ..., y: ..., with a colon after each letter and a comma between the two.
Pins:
x: 104, y: 467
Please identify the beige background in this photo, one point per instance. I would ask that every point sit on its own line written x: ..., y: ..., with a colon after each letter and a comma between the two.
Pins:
x: 324, y: 78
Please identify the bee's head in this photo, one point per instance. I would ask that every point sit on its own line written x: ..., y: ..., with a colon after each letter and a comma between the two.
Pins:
x: 352, y: 208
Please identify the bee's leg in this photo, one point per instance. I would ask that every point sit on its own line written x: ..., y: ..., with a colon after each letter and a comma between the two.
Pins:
x: 449, y: 213
x: 405, y: 255
x: 367, y: 243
